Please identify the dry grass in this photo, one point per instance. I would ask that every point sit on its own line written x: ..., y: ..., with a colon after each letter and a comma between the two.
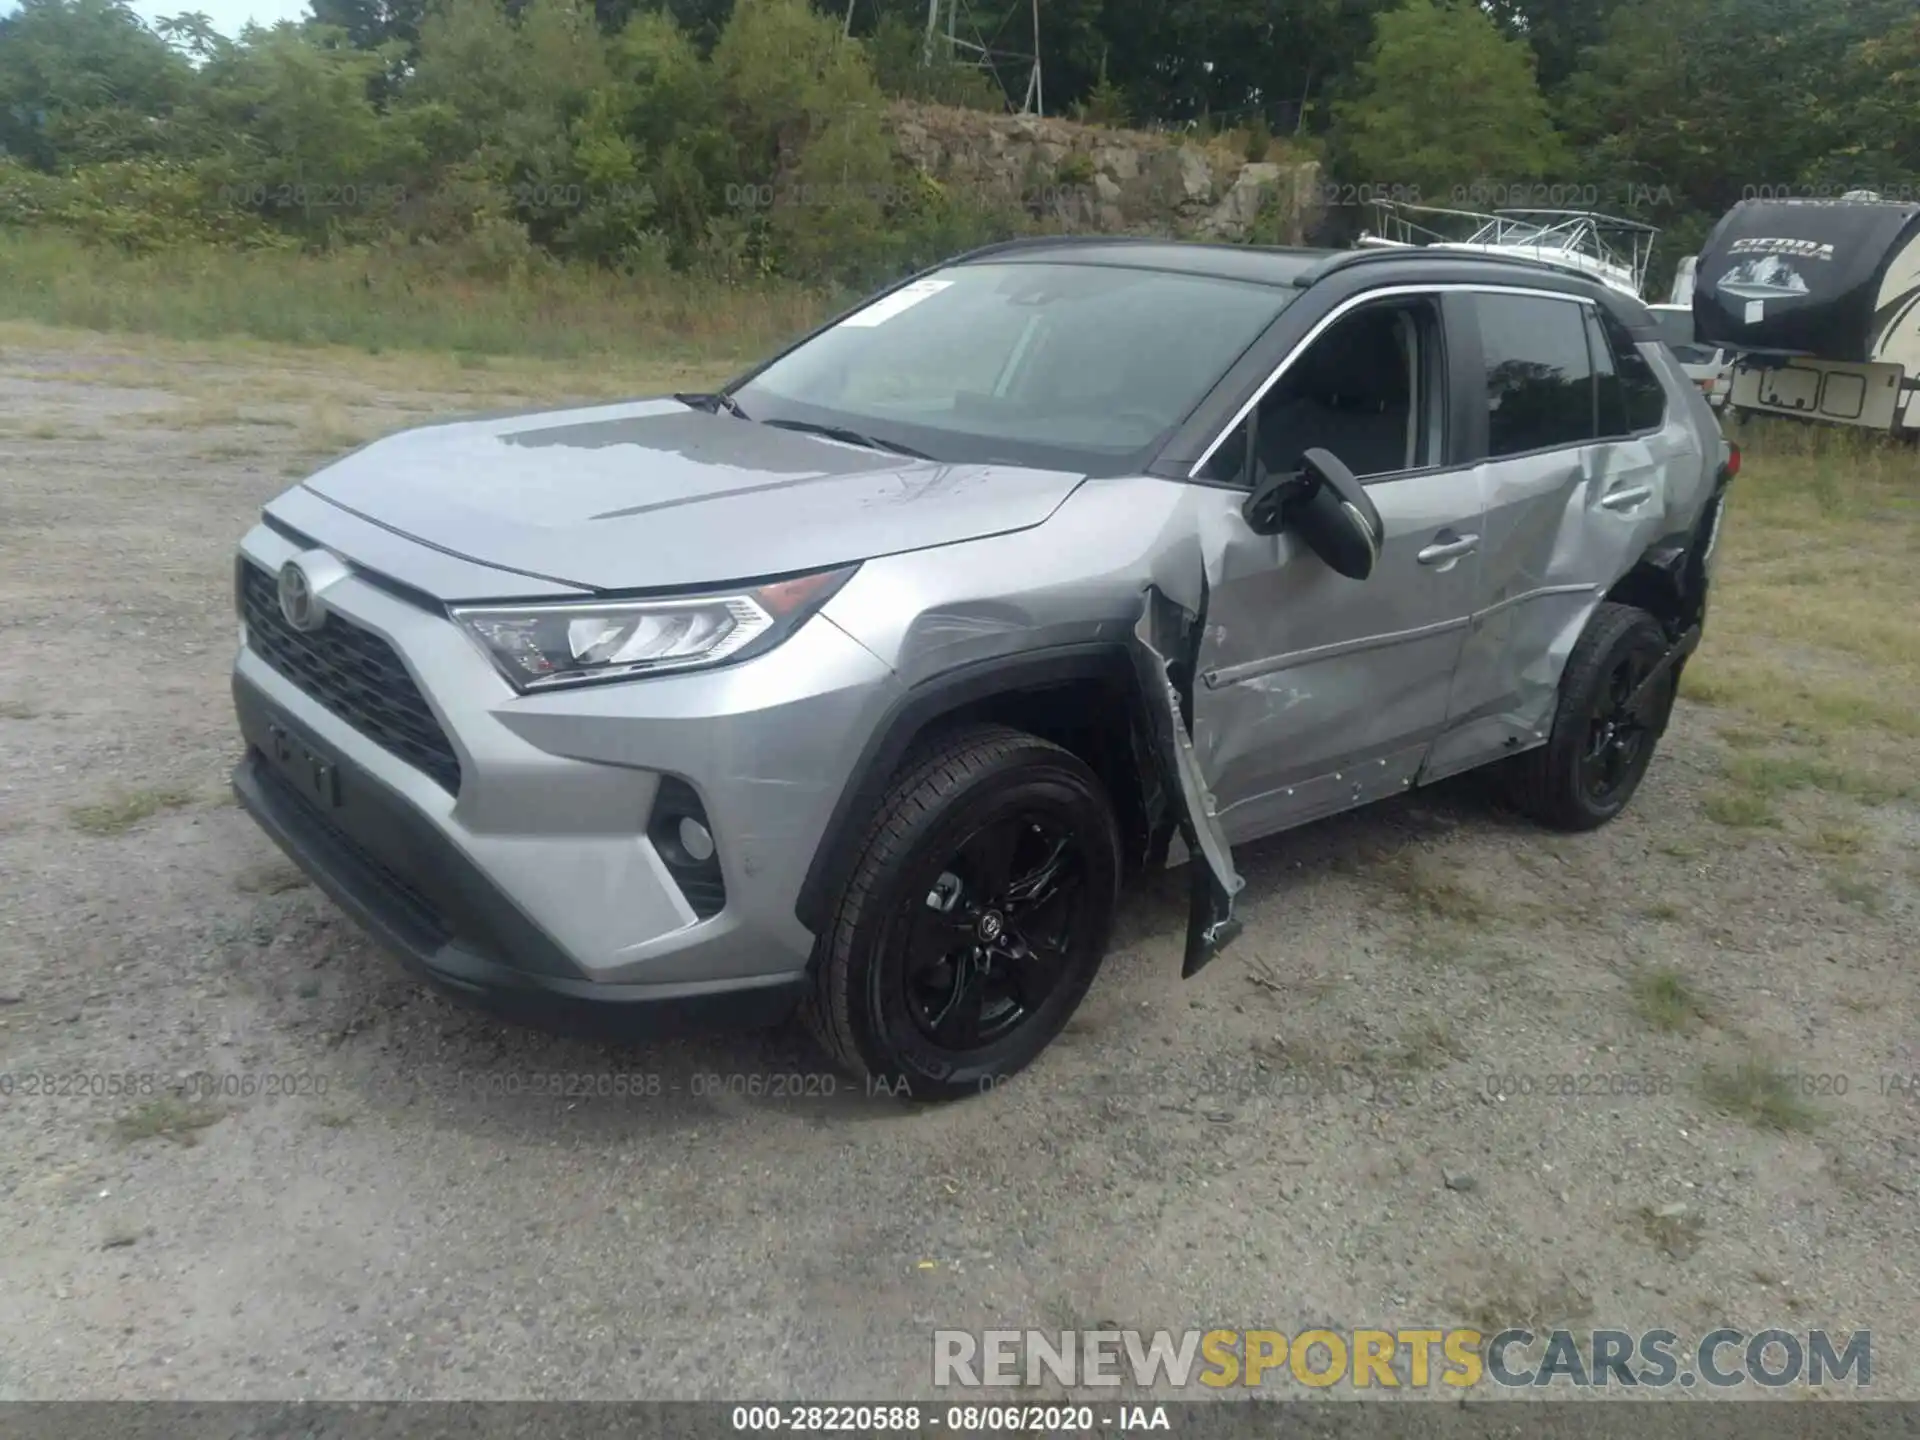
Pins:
x: 170, y: 1119
x: 272, y: 878
x: 1776, y: 774
x: 123, y: 811
x: 1427, y: 893
x: 1672, y: 1231
x: 1858, y: 890
x: 320, y: 394
x: 1812, y: 621
x: 1760, y: 1094
x: 1739, y: 810
x: 1837, y: 841
x: 1662, y: 998
x: 1508, y: 1294
x: 379, y: 305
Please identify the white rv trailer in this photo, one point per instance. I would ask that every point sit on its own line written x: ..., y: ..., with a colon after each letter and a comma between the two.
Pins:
x: 1819, y: 301
x: 1610, y: 250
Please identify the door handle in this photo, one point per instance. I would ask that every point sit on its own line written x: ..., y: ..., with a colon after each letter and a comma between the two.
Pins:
x: 1442, y: 551
x: 1627, y: 499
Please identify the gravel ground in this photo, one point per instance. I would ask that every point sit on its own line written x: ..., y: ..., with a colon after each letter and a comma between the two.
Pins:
x: 1355, y: 1118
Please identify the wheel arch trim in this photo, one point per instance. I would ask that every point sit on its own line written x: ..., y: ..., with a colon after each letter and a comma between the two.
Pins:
x: 918, y: 711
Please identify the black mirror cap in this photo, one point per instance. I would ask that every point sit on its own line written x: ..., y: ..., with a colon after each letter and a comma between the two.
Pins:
x: 1339, y: 521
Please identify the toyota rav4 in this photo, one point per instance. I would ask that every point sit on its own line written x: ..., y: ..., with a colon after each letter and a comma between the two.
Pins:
x: 860, y: 686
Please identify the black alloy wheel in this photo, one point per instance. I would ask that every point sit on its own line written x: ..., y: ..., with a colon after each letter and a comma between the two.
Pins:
x: 991, y: 938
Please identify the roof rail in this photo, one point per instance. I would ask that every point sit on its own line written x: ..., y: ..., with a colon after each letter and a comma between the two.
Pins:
x: 1048, y: 242
x: 1345, y: 259
x: 1052, y: 242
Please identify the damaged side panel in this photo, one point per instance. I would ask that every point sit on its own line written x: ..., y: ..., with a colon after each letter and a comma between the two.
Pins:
x: 1127, y: 564
x: 1166, y: 646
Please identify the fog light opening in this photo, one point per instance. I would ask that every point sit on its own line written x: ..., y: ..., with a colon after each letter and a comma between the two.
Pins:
x: 684, y: 839
x: 696, y: 840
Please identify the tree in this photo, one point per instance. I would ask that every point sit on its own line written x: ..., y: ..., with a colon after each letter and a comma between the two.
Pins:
x: 807, y: 119
x: 84, y: 80
x: 370, y: 24
x: 282, y: 125
x: 1887, y: 117
x: 1556, y: 30
x: 1444, y: 100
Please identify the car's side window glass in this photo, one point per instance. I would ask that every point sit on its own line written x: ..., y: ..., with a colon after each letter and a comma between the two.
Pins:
x: 1370, y: 391
x: 1228, y: 463
x: 1609, y: 396
x: 1540, y: 381
x: 1643, y: 397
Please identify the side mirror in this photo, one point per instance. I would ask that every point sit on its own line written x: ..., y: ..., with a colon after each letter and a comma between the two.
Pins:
x: 1326, y: 507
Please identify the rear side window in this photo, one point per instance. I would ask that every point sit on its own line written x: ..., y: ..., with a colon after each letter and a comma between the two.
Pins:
x: 1632, y: 398
x: 1540, y: 380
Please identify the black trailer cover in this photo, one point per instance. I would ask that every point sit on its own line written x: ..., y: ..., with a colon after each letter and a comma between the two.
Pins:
x: 1800, y: 277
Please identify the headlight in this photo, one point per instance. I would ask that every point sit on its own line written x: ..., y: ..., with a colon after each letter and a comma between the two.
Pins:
x: 539, y: 646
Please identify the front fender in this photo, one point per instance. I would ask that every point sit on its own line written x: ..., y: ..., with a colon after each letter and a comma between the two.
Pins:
x: 1166, y: 645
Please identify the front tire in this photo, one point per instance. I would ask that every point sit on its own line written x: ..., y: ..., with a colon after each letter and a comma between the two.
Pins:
x: 1598, y: 752
x: 974, y: 919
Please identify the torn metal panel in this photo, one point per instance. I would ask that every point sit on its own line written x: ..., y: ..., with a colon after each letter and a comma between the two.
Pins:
x: 1167, y: 641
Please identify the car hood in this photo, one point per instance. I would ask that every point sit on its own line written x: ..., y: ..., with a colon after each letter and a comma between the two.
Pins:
x: 655, y: 494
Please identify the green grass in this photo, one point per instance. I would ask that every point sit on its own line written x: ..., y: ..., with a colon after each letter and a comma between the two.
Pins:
x: 1836, y: 840
x: 375, y: 303
x: 1771, y: 775
x: 1739, y: 809
x: 1759, y: 1094
x: 1662, y: 998
x: 123, y: 811
x: 1859, y: 891
x: 169, y: 1119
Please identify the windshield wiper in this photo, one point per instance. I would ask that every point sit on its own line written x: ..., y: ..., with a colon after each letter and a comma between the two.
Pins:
x: 713, y: 403
x: 851, y: 437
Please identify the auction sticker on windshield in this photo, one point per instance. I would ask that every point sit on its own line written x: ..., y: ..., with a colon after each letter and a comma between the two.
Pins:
x: 888, y: 306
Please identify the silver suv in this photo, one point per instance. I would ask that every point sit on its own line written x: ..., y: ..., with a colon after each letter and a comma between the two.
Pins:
x: 861, y: 687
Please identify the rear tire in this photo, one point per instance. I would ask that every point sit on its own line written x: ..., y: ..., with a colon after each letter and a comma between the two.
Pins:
x: 1596, y: 755
x: 974, y: 919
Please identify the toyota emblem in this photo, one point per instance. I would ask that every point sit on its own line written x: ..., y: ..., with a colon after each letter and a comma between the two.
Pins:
x: 298, y: 603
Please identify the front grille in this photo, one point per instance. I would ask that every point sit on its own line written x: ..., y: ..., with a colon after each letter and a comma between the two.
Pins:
x: 403, y: 904
x: 354, y: 673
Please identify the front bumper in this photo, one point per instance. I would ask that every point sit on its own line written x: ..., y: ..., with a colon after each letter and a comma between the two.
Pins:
x: 429, y: 932
x: 530, y: 883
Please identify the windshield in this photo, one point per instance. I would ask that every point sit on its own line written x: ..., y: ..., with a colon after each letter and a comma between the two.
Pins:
x: 1063, y: 366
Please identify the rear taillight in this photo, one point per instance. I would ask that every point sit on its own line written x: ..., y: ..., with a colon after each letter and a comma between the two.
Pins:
x: 1733, y: 461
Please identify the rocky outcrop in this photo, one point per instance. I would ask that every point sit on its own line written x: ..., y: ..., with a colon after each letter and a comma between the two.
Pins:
x: 1091, y: 178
